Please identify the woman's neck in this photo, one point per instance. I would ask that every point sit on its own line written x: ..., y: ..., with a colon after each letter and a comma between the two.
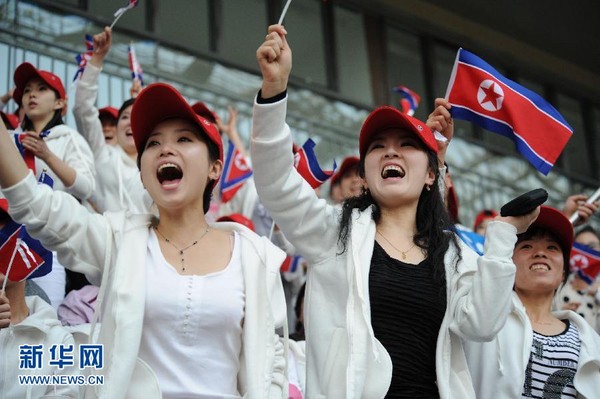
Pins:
x: 181, y: 225
x: 538, y: 306
x: 398, y: 221
x: 41, y: 123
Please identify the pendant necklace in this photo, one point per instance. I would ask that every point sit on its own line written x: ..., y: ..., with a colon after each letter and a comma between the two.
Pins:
x: 393, y: 246
x: 182, y: 250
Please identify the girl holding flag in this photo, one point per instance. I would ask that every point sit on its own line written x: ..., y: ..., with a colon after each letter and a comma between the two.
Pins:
x: 190, y: 309
x: 390, y: 292
x: 115, y: 165
x: 51, y: 146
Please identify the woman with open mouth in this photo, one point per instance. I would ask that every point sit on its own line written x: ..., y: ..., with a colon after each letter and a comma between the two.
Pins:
x: 390, y: 291
x: 189, y: 309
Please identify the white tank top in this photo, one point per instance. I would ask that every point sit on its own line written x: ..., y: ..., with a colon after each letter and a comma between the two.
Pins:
x: 192, y: 334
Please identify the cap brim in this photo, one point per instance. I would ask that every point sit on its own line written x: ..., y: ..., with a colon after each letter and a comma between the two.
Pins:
x: 556, y: 222
x: 386, y: 117
x: 159, y: 102
x: 111, y: 111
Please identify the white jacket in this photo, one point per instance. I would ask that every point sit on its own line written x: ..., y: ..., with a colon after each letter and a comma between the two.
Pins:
x: 498, y: 367
x: 41, y: 327
x: 344, y: 359
x: 116, y: 244
x: 114, y: 168
x: 68, y: 145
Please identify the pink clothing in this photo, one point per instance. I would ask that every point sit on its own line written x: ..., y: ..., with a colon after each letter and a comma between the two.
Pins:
x: 78, y: 306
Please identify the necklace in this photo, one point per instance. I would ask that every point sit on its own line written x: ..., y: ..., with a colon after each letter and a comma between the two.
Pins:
x: 393, y: 246
x: 182, y: 250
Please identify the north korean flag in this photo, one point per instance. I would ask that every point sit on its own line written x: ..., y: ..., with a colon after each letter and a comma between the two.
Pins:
x: 585, y: 261
x: 21, y: 256
x: 480, y: 94
x: 235, y: 172
x: 305, y: 161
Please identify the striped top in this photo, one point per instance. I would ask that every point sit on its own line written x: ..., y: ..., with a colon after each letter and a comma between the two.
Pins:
x: 552, y: 365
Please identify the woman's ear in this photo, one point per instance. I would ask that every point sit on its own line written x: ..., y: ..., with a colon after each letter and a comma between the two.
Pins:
x: 216, y: 168
x: 430, y: 177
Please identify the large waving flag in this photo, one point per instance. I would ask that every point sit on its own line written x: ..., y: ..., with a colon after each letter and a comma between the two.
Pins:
x: 585, y: 261
x: 305, y: 161
x: 134, y: 65
x: 480, y: 94
x: 235, y: 172
x: 409, y: 101
x: 82, y: 59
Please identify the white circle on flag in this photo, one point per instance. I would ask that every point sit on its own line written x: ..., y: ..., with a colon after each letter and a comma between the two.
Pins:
x: 579, y: 262
x: 490, y: 95
x: 240, y: 162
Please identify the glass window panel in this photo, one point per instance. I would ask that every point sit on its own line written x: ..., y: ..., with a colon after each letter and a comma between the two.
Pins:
x: 352, y: 58
x: 187, y: 24
x: 576, y: 154
x: 404, y: 65
x: 304, y: 17
x: 241, y: 30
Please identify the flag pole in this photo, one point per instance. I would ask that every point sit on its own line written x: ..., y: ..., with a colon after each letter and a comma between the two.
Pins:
x: 592, y: 198
x: 285, y: 8
x: 12, y: 258
x: 116, y: 19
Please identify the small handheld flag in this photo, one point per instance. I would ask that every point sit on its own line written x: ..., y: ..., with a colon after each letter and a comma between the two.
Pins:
x: 473, y: 240
x: 585, y: 261
x: 134, y: 66
x: 21, y: 255
x: 235, y: 172
x: 119, y: 13
x: 409, y: 101
x: 480, y: 94
x: 305, y: 161
x: 291, y: 263
x: 82, y: 59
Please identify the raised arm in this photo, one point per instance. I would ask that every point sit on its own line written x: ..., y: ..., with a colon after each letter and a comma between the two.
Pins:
x: 86, y: 93
x: 53, y: 217
x: 482, y: 288
x: 307, y: 221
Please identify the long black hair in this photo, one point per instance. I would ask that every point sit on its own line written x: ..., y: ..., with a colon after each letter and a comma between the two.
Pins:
x: 56, y: 120
x: 433, y: 221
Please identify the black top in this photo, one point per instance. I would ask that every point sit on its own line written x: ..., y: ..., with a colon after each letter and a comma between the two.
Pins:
x: 407, y: 308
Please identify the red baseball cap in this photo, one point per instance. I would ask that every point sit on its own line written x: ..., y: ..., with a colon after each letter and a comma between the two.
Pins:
x: 556, y: 222
x: 201, y: 109
x: 110, y: 111
x: 10, y: 120
x: 160, y: 101
x: 387, y: 117
x: 237, y: 218
x: 481, y: 216
x: 347, y: 163
x: 26, y: 71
